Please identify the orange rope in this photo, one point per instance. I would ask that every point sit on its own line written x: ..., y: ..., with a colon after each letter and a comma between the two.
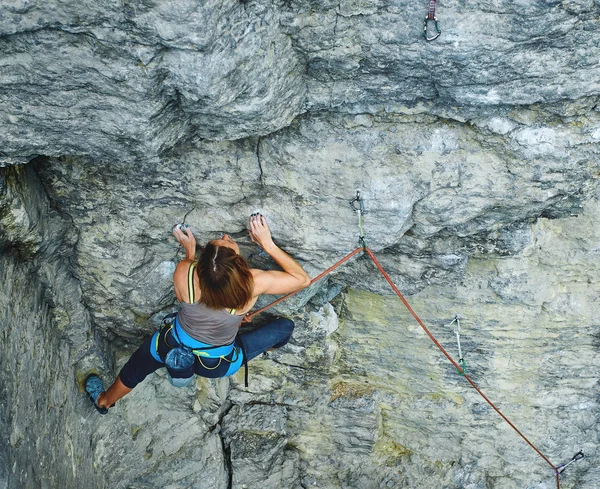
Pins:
x: 248, y: 317
x: 458, y: 367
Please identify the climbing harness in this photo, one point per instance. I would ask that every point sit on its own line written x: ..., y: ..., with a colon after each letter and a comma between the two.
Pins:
x: 170, y: 325
x: 460, y: 366
x: 561, y: 468
x: 360, y: 211
x: 461, y: 361
x: 431, y: 18
x: 180, y: 358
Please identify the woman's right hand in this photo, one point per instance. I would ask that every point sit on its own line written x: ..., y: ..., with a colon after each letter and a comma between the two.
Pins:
x: 186, y: 239
x: 260, y: 232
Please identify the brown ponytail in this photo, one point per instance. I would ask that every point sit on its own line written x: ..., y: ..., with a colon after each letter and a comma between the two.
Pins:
x: 225, y: 278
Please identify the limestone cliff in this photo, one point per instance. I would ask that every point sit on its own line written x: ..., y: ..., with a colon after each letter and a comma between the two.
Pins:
x: 476, y: 155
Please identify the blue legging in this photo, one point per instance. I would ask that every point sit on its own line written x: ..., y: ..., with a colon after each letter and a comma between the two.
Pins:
x: 248, y: 346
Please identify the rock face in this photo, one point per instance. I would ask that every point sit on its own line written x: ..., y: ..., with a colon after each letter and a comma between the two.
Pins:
x: 129, y: 80
x: 476, y: 156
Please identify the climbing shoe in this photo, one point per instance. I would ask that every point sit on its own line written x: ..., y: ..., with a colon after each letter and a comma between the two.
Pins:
x: 94, y: 387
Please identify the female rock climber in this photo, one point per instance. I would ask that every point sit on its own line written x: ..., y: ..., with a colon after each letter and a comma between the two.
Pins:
x: 215, y: 293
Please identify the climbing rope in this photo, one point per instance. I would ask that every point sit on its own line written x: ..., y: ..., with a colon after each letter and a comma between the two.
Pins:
x: 460, y: 367
x: 248, y: 317
x: 357, y: 205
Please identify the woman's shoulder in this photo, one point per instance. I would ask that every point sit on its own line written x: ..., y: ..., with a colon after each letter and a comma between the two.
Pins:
x: 182, y: 268
x: 260, y: 281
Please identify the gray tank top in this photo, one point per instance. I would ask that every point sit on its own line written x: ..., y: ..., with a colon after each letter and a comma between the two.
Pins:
x: 215, y: 327
x: 211, y: 326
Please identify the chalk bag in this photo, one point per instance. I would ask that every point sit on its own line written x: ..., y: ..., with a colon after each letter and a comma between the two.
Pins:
x: 180, y: 366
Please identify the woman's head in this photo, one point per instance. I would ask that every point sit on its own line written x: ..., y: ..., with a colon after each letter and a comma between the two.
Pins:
x: 225, y: 278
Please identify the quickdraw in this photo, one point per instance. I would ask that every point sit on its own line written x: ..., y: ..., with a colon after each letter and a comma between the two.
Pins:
x: 461, y: 361
x: 561, y: 468
x: 431, y: 17
x: 360, y: 211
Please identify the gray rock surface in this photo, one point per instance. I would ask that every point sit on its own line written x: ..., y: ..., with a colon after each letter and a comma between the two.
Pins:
x: 477, y: 157
x: 126, y: 81
x: 142, y: 76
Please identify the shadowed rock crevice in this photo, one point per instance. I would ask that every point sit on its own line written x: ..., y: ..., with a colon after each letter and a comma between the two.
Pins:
x: 45, y: 331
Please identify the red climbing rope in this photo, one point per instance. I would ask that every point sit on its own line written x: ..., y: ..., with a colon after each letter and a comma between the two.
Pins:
x: 249, y: 316
x: 459, y: 368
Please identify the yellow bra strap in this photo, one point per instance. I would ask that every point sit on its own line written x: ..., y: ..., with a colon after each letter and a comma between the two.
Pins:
x: 191, y: 282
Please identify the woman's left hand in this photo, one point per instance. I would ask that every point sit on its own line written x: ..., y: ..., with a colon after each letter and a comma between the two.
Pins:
x: 186, y: 239
x: 260, y: 232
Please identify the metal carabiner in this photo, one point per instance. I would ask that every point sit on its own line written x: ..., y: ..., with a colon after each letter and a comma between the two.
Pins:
x: 461, y: 361
x: 437, y: 28
x: 561, y: 468
x: 361, y: 205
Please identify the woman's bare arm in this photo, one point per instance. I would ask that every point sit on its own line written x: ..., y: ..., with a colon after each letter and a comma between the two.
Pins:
x: 180, y: 276
x: 292, y: 277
